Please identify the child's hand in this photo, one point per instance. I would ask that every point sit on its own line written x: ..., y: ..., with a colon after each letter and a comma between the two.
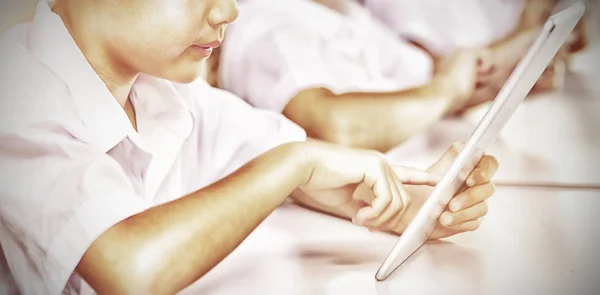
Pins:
x: 462, y: 73
x: 579, y: 39
x: 464, y: 211
x: 358, y: 184
x: 458, y: 73
x: 485, y: 67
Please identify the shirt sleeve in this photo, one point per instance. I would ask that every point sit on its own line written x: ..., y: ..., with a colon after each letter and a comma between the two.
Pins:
x: 444, y: 26
x: 229, y: 132
x: 269, y: 69
x: 57, y: 196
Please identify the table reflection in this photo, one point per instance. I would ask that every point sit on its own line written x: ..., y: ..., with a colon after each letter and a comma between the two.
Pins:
x: 533, y: 241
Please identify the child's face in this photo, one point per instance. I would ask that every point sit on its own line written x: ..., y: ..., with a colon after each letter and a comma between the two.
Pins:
x: 164, y: 38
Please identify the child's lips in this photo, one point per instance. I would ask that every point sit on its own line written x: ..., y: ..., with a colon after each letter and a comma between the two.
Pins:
x: 204, y: 51
x: 213, y: 44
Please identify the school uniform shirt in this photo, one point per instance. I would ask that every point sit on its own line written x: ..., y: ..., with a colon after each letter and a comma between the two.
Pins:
x: 277, y: 48
x: 72, y: 166
x: 442, y: 26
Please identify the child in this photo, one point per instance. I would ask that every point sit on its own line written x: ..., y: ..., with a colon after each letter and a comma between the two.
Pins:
x: 347, y: 77
x: 341, y: 75
x: 505, y: 28
x: 124, y: 173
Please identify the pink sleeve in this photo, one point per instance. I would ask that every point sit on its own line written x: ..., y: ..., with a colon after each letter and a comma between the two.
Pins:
x: 444, y: 26
x: 276, y: 66
x: 230, y: 132
x: 57, y: 196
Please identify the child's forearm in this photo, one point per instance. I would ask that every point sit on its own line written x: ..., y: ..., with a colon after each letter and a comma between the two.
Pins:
x: 166, y: 248
x: 535, y: 13
x: 377, y: 121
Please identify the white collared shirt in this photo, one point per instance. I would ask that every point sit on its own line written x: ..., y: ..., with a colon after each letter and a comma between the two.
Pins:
x: 72, y: 165
x: 442, y: 26
x: 277, y: 48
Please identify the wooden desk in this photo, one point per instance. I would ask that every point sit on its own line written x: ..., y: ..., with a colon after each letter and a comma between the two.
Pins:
x: 533, y: 241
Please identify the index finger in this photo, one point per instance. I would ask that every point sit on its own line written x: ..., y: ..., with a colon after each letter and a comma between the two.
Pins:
x: 414, y: 176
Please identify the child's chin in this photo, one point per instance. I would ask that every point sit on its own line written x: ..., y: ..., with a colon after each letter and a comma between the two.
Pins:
x: 190, y: 73
x: 185, y: 78
x: 188, y: 79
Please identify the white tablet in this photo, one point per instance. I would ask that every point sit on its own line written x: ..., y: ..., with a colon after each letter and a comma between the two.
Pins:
x: 554, y: 33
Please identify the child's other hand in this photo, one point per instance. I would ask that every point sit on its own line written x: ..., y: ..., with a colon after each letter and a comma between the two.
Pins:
x: 469, y: 205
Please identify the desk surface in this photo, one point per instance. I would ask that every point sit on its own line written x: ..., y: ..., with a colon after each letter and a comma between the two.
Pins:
x: 551, y: 138
x: 532, y: 242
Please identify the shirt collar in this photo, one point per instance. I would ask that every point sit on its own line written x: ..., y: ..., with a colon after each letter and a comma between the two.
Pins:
x: 52, y: 44
x: 104, y: 119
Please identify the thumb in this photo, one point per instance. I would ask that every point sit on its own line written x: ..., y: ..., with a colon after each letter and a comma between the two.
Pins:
x: 414, y: 176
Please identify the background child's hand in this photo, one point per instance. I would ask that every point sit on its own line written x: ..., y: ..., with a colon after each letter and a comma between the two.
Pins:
x: 458, y: 74
x: 462, y: 73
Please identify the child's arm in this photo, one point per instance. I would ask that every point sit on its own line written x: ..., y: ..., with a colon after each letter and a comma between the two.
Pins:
x: 379, y: 120
x: 164, y: 249
x: 535, y: 13
x: 288, y: 71
x: 467, y: 207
